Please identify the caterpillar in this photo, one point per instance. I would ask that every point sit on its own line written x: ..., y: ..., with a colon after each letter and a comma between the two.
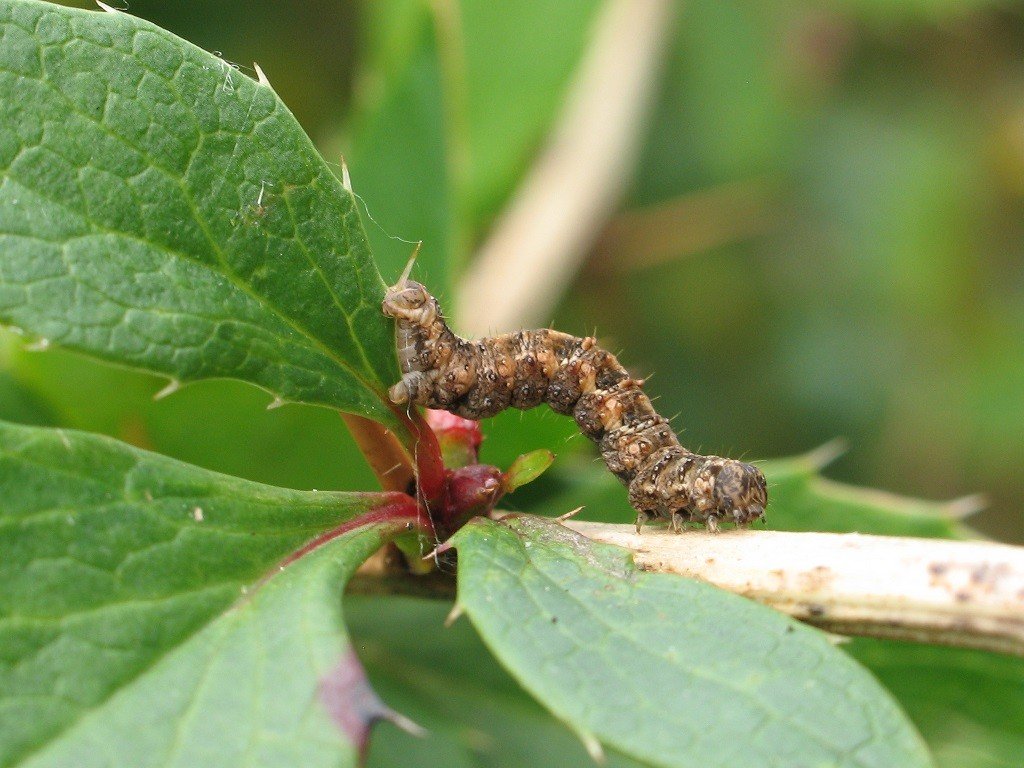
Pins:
x: 478, y: 379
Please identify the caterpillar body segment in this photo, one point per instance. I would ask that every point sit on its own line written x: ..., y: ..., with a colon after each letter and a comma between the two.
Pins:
x: 478, y: 379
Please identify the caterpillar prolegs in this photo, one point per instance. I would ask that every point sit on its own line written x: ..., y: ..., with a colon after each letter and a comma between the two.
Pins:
x: 478, y: 379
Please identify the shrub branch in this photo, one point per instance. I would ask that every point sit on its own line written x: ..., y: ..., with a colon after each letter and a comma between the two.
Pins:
x: 964, y: 594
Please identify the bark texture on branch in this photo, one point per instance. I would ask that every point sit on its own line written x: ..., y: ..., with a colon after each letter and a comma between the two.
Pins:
x: 967, y: 594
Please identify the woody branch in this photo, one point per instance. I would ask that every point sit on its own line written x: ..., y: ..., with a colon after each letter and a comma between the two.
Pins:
x: 965, y: 594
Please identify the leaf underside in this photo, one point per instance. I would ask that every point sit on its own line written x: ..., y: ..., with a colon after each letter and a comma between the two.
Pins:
x: 669, y: 670
x: 161, y: 210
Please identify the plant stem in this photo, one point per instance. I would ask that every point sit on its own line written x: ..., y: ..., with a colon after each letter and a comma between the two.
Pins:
x: 967, y: 594
x: 383, y: 451
x: 964, y: 594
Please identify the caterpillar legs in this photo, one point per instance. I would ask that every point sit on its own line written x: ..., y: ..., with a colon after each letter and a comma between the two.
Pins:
x: 477, y: 379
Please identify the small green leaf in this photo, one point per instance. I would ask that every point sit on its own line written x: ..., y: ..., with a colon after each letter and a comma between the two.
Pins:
x: 398, y: 150
x: 221, y: 425
x: 528, y: 468
x: 114, y: 561
x: 161, y: 210
x: 665, y: 669
x: 507, y: 117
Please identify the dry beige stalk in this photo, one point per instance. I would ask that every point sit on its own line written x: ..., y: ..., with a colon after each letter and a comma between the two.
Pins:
x: 538, y: 243
x: 967, y: 594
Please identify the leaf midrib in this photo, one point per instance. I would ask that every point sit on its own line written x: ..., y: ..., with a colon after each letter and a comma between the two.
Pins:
x: 217, y: 251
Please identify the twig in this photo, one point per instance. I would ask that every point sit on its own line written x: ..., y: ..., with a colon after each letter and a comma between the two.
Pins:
x: 538, y: 242
x: 967, y: 594
x: 964, y: 594
x: 383, y: 452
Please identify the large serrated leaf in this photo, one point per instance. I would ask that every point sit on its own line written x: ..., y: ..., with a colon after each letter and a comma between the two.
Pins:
x: 669, y: 670
x: 272, y: 683
x: 114, y: 560
x: 161, y: 210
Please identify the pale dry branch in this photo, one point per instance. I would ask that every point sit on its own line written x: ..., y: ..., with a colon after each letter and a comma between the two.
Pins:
x: 967, y: 594
x: 958, y: 593
x: 537, y: 244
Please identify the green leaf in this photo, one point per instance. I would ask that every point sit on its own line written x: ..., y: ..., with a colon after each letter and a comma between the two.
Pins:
x: 273, y: 682
x: 221, y: 425
x: 397, y: 150
x: 527, y: 468
x: 800, y: 499
x: 440, y: 121
x: 508, y: 117
x: 475, y: 714
x: 669, y: 670
x: 19, y: 403
x: 114, y: 561
x: 161, y: 210
x: 967, y: 704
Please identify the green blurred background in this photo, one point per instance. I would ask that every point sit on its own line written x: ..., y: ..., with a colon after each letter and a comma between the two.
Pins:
x: 838, y: 190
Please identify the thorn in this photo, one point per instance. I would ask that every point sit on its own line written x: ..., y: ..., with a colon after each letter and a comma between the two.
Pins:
x: 276, y: 403
x: 403, y: 722
x: 172, y: 386
x: 408, y: 266
x: 440, y: 549
x: 835, y: 639
x: 453, y: 615
x: 966, y: 506
x: 568, y: 515
x: 346, y: 180
x: 823, y: 455
x: 593, y: 747
x: 197, y: 514
x: 261, y: 76
x: 107, y: 8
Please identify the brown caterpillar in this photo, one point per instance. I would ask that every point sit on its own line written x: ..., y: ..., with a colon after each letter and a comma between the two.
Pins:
x: 478, y: 379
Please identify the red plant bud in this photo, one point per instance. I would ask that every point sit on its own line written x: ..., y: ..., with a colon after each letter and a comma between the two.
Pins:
x: 459, y: 438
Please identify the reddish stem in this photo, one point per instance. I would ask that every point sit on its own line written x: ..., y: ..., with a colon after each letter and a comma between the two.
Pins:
x: 426, y: 457
x: 396, y: 507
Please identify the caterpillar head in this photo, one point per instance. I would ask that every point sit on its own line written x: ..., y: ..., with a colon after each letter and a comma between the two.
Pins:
x: 730, y: 490
x: 408, y: 300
